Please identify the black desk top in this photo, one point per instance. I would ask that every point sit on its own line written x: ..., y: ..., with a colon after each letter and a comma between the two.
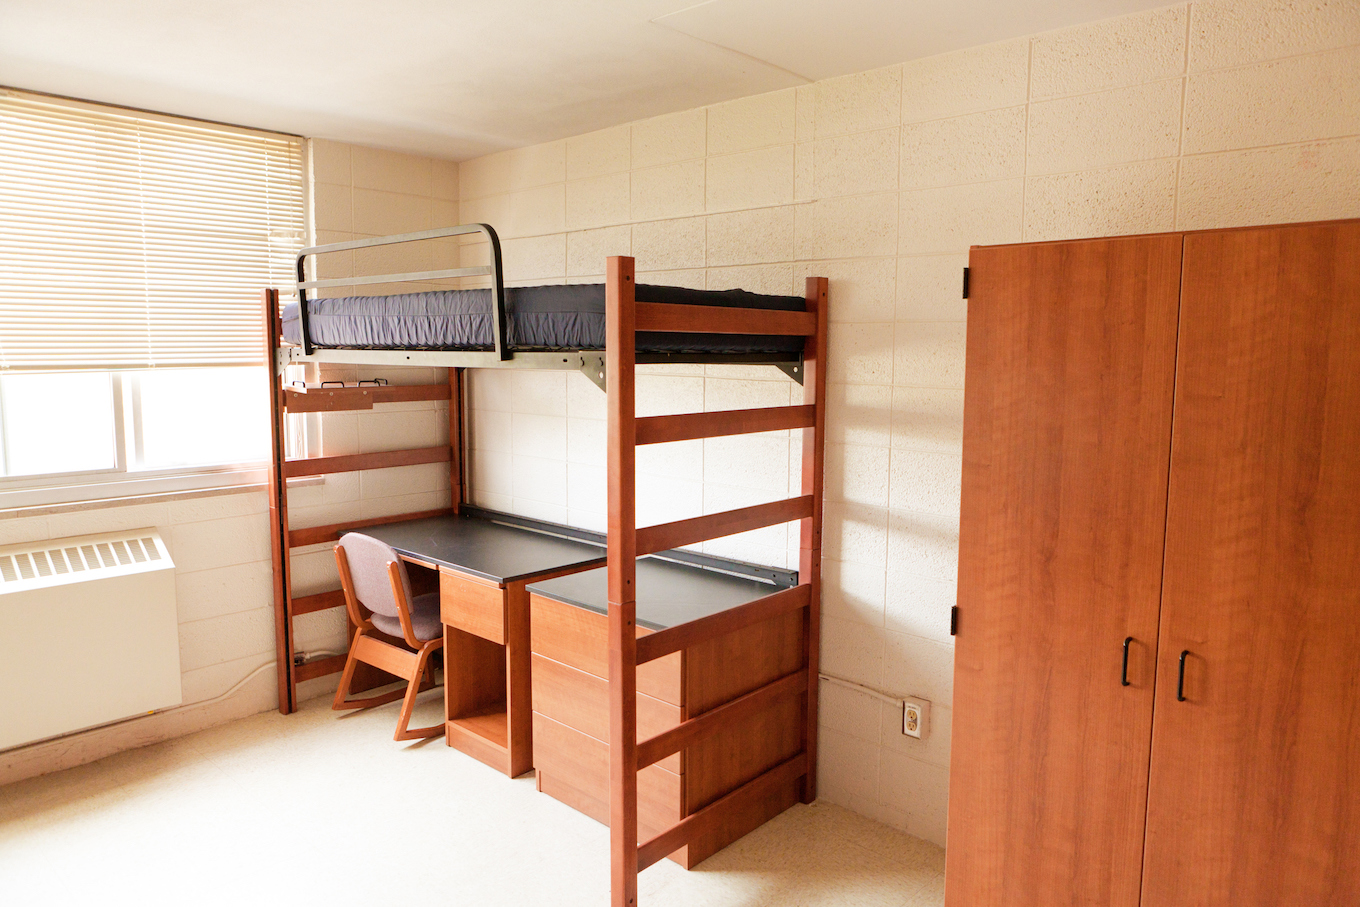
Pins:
x: 668, y: 594
x: 482, y: 548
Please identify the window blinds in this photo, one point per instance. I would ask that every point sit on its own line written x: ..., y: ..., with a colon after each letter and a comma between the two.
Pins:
x: 130, y: 240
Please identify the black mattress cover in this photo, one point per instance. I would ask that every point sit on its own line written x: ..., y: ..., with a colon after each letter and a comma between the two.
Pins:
x: 537, y: 318
x: 482, y: 548
x: 668, y: 594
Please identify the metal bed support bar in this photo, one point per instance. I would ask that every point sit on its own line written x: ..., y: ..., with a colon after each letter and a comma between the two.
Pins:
x: 493, y: 270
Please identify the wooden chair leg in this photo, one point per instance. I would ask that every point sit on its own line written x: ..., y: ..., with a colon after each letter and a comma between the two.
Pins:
x: 341, y: 702
x: 414, y: 688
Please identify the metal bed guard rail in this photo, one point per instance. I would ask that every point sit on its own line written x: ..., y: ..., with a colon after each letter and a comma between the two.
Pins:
x: 493, y: 270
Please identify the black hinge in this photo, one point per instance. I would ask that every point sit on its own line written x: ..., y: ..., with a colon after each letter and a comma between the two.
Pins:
x: 954, y: 612
x: 965, y: 283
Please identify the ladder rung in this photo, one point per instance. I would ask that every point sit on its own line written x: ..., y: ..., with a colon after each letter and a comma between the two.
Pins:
x: 713, y: 319
x: 665, y: 536
x: 683, y: 636
x: 687, y: 733
x: 317, y: 535
x: 689, y: 426
x: 321, y: 466
x: 321, y: 601
x: 716, y: 813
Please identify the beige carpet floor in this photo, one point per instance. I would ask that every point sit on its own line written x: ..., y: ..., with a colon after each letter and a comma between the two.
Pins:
x: 323, y: 808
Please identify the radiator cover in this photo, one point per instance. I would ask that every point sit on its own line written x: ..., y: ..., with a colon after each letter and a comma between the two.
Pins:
x: 89, y: 633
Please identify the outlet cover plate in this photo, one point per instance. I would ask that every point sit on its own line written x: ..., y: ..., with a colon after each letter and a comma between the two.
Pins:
x: 915, y: 717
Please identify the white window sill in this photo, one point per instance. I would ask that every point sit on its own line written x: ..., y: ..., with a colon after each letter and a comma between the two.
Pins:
x: 131, y: 490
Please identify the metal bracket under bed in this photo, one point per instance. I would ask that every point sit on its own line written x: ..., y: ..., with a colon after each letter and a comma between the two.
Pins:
x: 588, y: 362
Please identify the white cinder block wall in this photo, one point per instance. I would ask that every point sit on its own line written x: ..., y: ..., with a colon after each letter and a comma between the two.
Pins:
x: 220, y: 542
x: 1211, y: 114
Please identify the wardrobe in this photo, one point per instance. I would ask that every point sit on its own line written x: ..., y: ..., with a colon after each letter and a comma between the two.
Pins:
x: 1157, y: 662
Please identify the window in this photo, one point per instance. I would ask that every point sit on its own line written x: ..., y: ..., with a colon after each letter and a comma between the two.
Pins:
x: 133, y: 248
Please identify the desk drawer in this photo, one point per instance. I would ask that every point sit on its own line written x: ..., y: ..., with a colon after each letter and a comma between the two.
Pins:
x: 475, y: 606
x: 581, y: 701
x: 582, y: 763
x: 579, y: 638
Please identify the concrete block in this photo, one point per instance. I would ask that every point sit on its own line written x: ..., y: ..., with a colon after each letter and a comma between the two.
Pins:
x: 389, y: 171
x: 750, y: 237
x: 598, y: 153
x: 330, y: 161
x: 953, y: 218
x: 1291, y: 183
x: 674, y: 190
x: 856, y: 164
x: 930, y: 288
x: 979, y: 78
x: 929, y: 354
x: 860, y: 354
x: 1135, y: 198
x: 859, y: 290
x: 926, y: 481
x: 1144, y: 47
x: 858, y: 103
x: 589, y: 250
x: 535, y: 257
x: 928, y: 418
x: 851, y: 227
x: 924, y: 544
x: 667, y: 139
x: 1235, y: 32
x: 669, y: 245
x: 972, y: 148
x: 598, y: 201
x: 1138, y: 123
x: 750, y: 123
x: 750, y: 179
x: 1301, y: 99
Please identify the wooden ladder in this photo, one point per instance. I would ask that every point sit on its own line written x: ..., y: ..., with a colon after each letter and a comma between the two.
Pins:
x: 627, y: 755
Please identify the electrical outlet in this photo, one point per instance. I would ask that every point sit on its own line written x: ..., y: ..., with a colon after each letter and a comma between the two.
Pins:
x: 915, y: 718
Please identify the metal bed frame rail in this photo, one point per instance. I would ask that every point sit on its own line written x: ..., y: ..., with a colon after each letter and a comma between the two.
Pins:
x: 591, y: 363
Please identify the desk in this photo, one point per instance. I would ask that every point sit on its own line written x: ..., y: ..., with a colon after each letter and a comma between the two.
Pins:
x: 570, y: 643
x: 484, y: 568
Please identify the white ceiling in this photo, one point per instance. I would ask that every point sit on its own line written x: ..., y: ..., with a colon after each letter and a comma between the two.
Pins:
x: 457, y: 79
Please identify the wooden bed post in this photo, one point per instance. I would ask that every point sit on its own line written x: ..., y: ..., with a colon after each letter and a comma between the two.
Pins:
x: 620, y: 356
x: 278, y: 509
x: 810, y: 536
x: 456, y: 489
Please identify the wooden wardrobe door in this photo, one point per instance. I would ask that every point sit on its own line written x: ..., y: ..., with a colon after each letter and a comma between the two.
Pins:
x: 1255, y: 781
x: 1067, y: 433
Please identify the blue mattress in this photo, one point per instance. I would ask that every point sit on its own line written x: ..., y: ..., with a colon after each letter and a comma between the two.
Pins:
x: 556, y: 318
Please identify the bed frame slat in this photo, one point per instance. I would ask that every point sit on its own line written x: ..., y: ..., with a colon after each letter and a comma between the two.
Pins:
x: 713, y: 319
x: 322, y: 466
x: 719, y: 811
x: 663, y: 536
x: 690, y: 426
x: 687, y: 733
x: 684, y: 636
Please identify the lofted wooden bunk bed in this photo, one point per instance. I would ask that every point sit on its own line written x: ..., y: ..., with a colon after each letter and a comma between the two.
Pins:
x: 729, y: 781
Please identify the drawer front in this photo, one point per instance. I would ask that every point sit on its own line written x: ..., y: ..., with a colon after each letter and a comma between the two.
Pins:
x: 582, y: 763
x: 581, y: 701
x: 474, y: 606
x: 579, y: 638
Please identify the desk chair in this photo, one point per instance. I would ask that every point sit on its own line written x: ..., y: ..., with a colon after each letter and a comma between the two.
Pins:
x: 378, y: 596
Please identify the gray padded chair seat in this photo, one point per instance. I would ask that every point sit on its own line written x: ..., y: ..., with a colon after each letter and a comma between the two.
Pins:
x: 424, y: 618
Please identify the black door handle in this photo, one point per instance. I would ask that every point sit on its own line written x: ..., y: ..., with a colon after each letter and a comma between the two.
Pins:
x: 1180, y: 681
x: 1124, y: 674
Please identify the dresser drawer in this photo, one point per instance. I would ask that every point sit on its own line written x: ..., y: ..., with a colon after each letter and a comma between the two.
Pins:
x: 475, y: 606
x: 579, y: 638
x: 581, y: 701
x: 581, y: 763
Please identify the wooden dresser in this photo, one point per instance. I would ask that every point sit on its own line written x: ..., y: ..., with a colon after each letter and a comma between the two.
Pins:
x: 569, y: 640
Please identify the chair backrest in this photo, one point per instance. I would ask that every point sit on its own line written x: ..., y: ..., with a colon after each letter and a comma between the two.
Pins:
x: 368, y: 559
